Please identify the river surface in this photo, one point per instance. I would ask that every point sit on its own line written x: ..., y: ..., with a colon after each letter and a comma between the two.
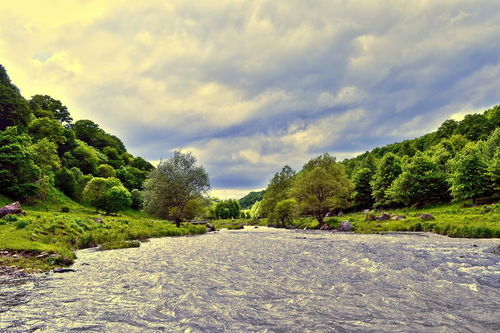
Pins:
x: 267, y: 280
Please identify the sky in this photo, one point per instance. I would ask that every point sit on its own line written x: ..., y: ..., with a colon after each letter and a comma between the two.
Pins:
x: 250, y: 86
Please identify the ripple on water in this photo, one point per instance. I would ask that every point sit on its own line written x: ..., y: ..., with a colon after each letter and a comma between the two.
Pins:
x: 268, y: 280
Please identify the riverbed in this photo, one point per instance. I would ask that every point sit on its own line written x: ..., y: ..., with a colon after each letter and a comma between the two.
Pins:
x: 267, y: 280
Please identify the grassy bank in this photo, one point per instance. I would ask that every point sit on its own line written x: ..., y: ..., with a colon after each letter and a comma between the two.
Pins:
x: 46, y: 237
x: 453, y: 220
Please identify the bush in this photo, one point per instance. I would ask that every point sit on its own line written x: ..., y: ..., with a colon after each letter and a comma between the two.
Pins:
x: 65, y: 209
x: 137, y: 200
x: 21, y: 224
x: 116, y: 199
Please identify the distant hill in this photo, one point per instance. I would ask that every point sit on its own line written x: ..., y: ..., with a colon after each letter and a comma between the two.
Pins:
x: 248, y: 200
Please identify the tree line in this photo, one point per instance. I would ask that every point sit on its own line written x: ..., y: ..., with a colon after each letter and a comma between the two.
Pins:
x: 42, y: 148
x: 459, y: 161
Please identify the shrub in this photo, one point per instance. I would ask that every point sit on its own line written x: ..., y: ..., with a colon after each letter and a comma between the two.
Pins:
x: 137, y: 200
x: 21, y: 224
x: 116, y: 199
x: 65, y: 209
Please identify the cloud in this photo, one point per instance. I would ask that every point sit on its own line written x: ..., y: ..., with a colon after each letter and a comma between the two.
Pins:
x: 252, y: 85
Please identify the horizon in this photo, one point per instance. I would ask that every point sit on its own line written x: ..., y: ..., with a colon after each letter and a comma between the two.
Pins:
x: 267, y: 86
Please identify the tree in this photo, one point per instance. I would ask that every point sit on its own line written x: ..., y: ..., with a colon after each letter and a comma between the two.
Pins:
x: 285, y: 211
x: 277, y: 190
x: 95, y: 191
x: 132, y: 178
x: 388, y: 170
x: 14, y: 110
x: 362, y: 195
x: 44, y: 105
x: 492, y: 145
x: 89, y: 132
x: 106, y: 171
x: 172, y: 185
x: 41, y: 128
x: 321, y: 186
x: 18, y: 172
x: 475, y: 127
x: 83, y: 157
x: 65, y: 181
x: 116, y: 199
x: 114, y: 158
x: 141, y: 164
x: 255, y: 211
x: 470, y: 179
x: 447, y: 129
x: 137, y: 199
x: 227, y: 209
x: 421, y: 181
x: 45, y: 156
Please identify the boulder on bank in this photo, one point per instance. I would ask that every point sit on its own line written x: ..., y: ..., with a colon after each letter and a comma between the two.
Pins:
x: 325, y: 227
x: 426, y: 216
x: 210, y: 227
x: 384, y: 217
x: 398, y: 217
x: 345, y: 226
x: 370, y: 217
x: 13, y: 208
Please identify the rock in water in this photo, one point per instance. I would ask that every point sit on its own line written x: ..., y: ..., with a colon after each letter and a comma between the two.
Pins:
x: 13, y: 208
x: 345, y: 226
x: 63, y: 270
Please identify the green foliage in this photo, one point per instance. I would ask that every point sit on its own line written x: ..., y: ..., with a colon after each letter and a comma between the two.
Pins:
x: 447, y: 129
x: 469, y: 179
x: 388, y: 170
x: 132, y: 178
x: 362, y: 194
x: 173, y: 184
x: 421, y: 181
x: 14, y: 110
x: 141, y: 164
x: 475, y: 127
x: 95, y: 191
x: 492, y: 145
x: 137, y: 200
x: 45, y: 128
x: 46, y: 106
x: 255, y: 211
x: 106, y: 171
x: 321, y: 186
x: 248, y: 200
x: 45, y: 156
x: 227, y: 209
x: 90, y: 133
x: 18, y: 172
x: 82, y: 157
x: 114, y: 158
x: 277, y: 190
x: 116, y: 199
x: 285, y: 211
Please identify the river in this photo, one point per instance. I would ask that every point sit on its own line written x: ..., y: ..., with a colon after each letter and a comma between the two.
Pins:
x: 267, y: 280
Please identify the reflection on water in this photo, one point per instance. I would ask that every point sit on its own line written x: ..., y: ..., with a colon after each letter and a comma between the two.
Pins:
x: 268, y: 280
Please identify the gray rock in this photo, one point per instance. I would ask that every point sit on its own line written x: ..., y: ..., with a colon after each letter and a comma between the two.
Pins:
x: 210, y: 227
x: 340, y: 214
x: 345, y: 226
x: 325, y: 227
x: 13, y: 208
x: 398, y: 217
x: 384, y: 217
x: 98, y: 220
x: 426, y: 216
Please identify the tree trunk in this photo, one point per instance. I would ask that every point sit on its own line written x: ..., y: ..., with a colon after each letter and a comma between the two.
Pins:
x: 319, y: 217
x: 178, y: 223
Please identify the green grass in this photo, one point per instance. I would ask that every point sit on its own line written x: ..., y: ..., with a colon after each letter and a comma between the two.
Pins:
x: 46, y: 229
x: 449, y: 219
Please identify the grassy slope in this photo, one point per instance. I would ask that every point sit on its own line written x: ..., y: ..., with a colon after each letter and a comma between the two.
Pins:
x: 46, y: 229
x: 449, y: 219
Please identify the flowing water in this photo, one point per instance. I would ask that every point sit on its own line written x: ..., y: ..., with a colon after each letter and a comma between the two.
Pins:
x: 267, y: 280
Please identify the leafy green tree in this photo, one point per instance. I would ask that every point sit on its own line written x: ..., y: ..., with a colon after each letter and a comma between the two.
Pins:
x: 106, y: 171
x: 362, y: 195
x: 277, y: 190
x: 470, y: 179
x: 114, y: 158
x: 116, y: 199
x: 227, y: 209
x: 388, y: 170
x: 447, y: 129
x: 18, y: 172
x: 493, y: 116
x: 492, y: 145
x: 285, y: 212
x: 46, y: 128
x: 494, y: 172
x: 14, y: 110
x: 132, y: 178
x: 141, y: 164
x: 83, y: 157
x: 172, y: 185
x: 137, y: 199
x: 475, y: 127
x: 66, y: 182
x: 248, y: 200
x: 420, y: 182
x: 321, y: 186
x: 255, y: 211
x: 90, y: 133
x: 45, y: 156
x: 44, y: 105
x: 94, y: 192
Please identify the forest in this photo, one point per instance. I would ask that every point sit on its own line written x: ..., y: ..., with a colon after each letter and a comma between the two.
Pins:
x: 57, y: 166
